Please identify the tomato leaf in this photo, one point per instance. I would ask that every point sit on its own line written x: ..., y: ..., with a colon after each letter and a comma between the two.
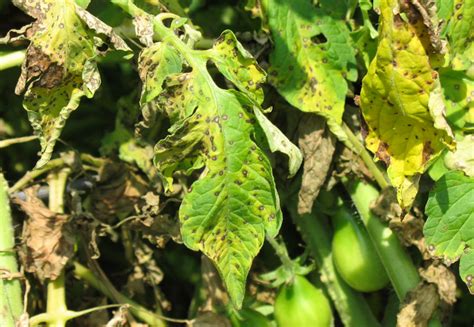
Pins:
x: 460, y: 34
x: 59, y: 68
x: 449, y: 230
x: 234, y: 203
x: 311, y: 57
x: 401, y: 101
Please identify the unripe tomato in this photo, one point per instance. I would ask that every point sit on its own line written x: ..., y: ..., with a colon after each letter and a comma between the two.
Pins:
x: 354, y: 255
x: 249, y: 318
x: 301, y: 304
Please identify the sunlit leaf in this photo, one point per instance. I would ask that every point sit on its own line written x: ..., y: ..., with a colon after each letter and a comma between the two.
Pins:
x: 402, y: 103
x: 449, y: 230
x: 461, y: 34
x: 60, y: 65
x: 233, y: 204
x: 311, y: 58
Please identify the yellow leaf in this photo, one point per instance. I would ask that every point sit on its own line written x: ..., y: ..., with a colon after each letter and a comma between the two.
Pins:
x: 401, y: 100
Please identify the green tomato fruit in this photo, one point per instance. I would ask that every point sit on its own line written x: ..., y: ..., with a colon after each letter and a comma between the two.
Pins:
x: 354, y: 255
x: 302, y: 304
x: 249, y: 318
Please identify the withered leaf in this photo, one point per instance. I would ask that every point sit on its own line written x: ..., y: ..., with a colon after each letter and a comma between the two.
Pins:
x: 317, y: 145
x: 418, y: 306
x: 47, y: 238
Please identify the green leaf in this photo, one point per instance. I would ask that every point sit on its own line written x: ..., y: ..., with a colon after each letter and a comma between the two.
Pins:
x: 402, y: 103
x: 308, y: 71
x: 463, y: 157
x: 279, y: 142
x: 449, y: 230
x: 234, y: 203
x: 460, y: 35
x: 458, y: 92
x: 60, y: 65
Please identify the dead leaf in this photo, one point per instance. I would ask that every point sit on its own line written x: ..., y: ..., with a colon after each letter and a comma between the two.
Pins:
x: 47, y: 238
x: 317, y: 145
x: 440, y: 275
x: 117, y: 192
x: 120, y: 317
x: 211, y: 319
x: 418, y: 306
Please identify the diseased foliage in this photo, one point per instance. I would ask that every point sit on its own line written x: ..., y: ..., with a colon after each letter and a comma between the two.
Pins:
x: 60, y: 65
x: 401, y: 101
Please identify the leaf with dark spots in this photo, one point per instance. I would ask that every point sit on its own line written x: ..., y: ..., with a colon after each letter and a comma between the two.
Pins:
x: 229, y: 209
x: 47, y: 237
x: 318, y: 146
x: 308, y: 74
x: 59, y: 68
x: 402, y: 103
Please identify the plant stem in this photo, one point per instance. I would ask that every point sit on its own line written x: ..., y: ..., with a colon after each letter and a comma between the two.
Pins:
x: 11, y: 59
x: 358, y: 148
x: 56, y: 299
x: 399, y: 266
x: 16, y: 140
x: 282, y: 253
x: 11, y: 302
x: 137, y: 310
x: 351, y: 305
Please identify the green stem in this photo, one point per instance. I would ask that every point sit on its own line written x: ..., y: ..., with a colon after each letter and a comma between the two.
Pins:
x: 399, y: 266
x: 11, y: 59
x: 358, y: 148
x: 11, y: 302
x: 282, y: 253
x: 136, y: 309
x: 16, y: 140
x: 351, y: 305
x: 56, y: 301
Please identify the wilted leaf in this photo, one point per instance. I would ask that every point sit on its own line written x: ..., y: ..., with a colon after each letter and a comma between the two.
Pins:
x: 233, y: 204
x: 47, y: 237
x: 318, y: 146
x: 60, y: 66
x: 402, y: 103
x: 449, y: 230
x: 418, y: 307
x: 461, y: 33
x: 116, y: 192
x: 305, y: 69
x: 443, y: 278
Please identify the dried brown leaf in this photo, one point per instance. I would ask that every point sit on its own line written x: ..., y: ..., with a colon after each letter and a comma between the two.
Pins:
x: 317, y: 145
x: 418, y: 306
x: 47, y: 238
x: 440, y: 275
x: 118, y: 191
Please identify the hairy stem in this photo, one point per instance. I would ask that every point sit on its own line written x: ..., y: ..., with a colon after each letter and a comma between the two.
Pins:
x: 11, y: 59
x: 16, y: 140
x: 282, y: 253
x: 11, y: 302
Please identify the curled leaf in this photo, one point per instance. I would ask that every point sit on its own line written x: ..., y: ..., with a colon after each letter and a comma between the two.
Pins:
x: 59, y: 68
x: 47, y: 236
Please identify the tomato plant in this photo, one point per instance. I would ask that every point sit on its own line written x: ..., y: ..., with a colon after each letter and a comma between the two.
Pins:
x: 184, y: 162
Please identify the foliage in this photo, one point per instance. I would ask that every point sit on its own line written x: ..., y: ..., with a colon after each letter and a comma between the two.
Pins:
x: 194, y: 130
